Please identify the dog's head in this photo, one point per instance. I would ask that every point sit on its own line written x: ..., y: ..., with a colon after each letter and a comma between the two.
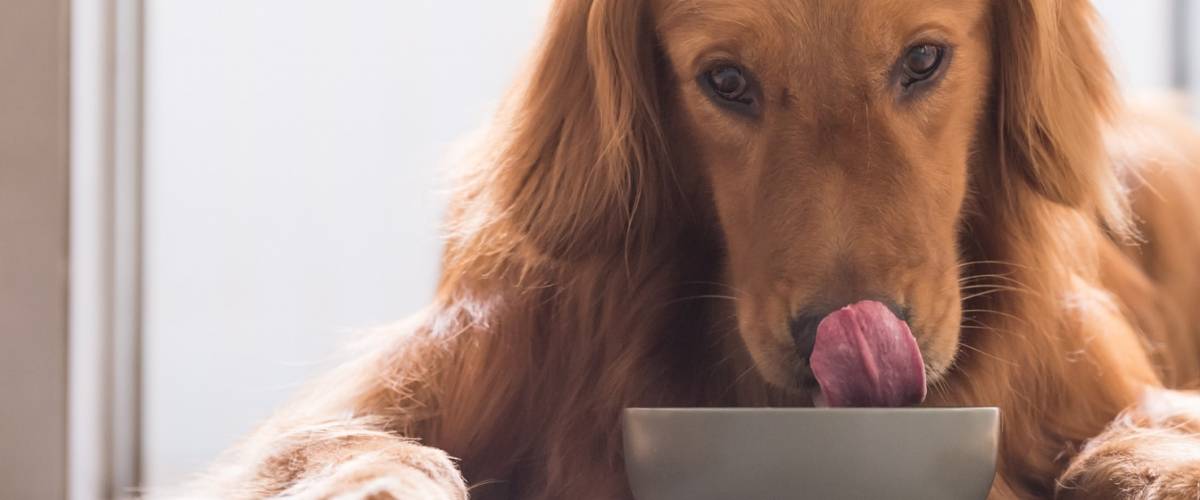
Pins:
x: 836, y: 144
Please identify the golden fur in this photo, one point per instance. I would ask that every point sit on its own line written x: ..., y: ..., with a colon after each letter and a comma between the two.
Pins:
x: 623, y: 242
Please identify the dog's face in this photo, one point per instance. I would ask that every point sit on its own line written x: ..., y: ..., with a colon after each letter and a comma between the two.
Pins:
x: 834, y: 141
x: 835, y: 138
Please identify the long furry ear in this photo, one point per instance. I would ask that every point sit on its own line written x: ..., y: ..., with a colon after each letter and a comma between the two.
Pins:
x: 584, y: 161
x: 1055, y: 95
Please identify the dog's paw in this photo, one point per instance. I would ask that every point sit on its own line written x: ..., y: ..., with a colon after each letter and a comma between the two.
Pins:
x: 1156, y: 467
x: 420, y: 473
x: 1152, y: 452
x: 400, y: 486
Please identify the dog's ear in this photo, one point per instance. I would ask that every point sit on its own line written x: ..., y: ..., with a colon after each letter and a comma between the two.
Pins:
x: 1055, y: 93
x: 584, y: 159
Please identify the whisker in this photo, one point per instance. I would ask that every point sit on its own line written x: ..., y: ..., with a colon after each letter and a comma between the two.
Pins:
x: 941, y: 387
x: 990, y: 355
x: 979, y: 325
x: 701, y: 297
x: 996, y: 287
x: 993, y: 291
x: 737, y: 380
x: 998, y: 313
x: 980, y: 295
x: 992, y: 262
x: 999, y: 277
x: 976, y: 323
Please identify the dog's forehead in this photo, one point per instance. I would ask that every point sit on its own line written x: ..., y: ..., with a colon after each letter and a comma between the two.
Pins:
x: 846, y: 24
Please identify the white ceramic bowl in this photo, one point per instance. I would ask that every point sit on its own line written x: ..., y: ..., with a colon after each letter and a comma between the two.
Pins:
x: 751, y: 453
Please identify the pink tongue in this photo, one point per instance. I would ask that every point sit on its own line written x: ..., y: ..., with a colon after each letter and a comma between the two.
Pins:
x: 866, y: 356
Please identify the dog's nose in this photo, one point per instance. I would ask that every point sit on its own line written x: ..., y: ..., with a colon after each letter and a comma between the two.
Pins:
x: 804, y: 325
x: 804, y: 332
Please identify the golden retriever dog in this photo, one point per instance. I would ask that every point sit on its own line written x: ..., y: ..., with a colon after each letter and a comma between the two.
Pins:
x: 693, y: 203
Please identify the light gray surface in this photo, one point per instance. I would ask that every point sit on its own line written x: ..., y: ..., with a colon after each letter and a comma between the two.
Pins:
x: 699, y: 454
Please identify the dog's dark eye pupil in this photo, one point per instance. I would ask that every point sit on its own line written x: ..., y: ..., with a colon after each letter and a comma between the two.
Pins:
x: 728, y: 82
x: 922, y: 60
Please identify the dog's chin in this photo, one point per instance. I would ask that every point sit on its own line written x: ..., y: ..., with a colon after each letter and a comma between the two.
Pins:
x: 782, y: 370
x: 939, y: 353
x: 938, y: 364
x: 779, y: 376
x: 775, y: 363
x: 794, y: 381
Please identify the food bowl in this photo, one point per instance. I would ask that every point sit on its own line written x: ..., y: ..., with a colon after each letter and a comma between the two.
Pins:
x: 777, y: 453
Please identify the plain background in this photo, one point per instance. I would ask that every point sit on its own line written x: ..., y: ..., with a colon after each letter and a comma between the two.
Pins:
x: 293, y: 159
x: 294, y: 189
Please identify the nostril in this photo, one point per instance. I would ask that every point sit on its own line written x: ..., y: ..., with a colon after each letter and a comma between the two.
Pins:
x: 901, y: 312
x: 804, y: 333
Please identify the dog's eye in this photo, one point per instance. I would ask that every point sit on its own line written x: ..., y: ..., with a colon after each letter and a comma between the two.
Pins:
x: 921, y: 63
x: 731, y: 87
x: 728, y: 82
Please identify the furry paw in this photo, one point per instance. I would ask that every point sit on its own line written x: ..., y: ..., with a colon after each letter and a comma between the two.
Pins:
x: 400, y: 487
x: 1150, y: 453
x: 420, y: 473
x: 1171, y: 470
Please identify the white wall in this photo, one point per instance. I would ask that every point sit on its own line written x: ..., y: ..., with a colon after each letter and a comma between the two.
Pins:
x: 292, y: 158
x: 1139, y: 41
